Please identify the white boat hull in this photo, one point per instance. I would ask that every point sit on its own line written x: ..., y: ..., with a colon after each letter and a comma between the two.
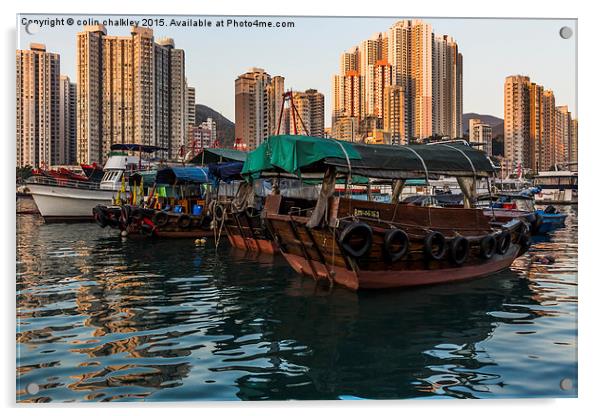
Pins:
x: 59, y: 203
x: 556, y: 196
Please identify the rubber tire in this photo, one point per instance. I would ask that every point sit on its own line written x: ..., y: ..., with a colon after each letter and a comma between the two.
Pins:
x: 459, y: 249
x: 250, y: 212
x: 99, y: 217
x: 219, y: 212
x: 390, y: 238
x: 184, y: 221
x: 434, y: 237
x: 488, y: 247
x: 349, y: 231
x: 503, y: 242
x: 160, y: 218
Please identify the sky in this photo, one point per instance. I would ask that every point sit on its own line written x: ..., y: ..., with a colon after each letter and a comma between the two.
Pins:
x: 308, y: 54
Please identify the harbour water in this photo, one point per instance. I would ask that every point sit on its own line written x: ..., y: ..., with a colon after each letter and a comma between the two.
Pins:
x: 101, y: 318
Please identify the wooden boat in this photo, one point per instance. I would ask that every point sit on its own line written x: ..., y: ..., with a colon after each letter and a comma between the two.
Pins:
x: 373, y: 245
x: 172, y: 207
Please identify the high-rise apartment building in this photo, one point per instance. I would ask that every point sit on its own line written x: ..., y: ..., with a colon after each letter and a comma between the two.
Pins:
x: 517, y: 126
x: 190, y: 120
x: 574, y: 144
x: 310, y: 108
x: 67, y: 120
x: 537, y: 132
x: 130, y: 89
x: 255, y: 106
x: 481, y: 133
x: 394, y: 114
x: 428, y: 67
x: 38, y: 96
x: 563, y: 134
x: 546, y: 152
x: 447, y: 87
x: 275, y: 91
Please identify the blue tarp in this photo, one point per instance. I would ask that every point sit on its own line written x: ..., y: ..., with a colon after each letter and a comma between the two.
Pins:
x: 182, y: 175
x: 226, y: 172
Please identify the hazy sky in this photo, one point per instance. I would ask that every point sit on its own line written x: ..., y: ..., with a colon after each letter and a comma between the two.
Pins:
x: 308, y: 54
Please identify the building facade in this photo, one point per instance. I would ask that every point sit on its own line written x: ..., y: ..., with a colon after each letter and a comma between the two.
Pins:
x: 482, y: 134
x: 39, y: 142
x: 67, y: 120
x: 428, y: 68
x: 130, y: 89
x: 310, y: 117
x: 517, y: 120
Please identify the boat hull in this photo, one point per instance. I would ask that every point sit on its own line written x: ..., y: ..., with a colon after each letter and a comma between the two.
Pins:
x: 387, y: 279
x: 57, y: 203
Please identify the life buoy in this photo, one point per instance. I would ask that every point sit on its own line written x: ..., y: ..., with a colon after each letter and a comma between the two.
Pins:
x: 99, y: 216
x: 219, y: 212
x: 184, y: 221
x: 488, y: 246
x: 434, y: 245
x: 356, y: 239
x: 395, y: 238
x: 160, y: 218
x: 251, y: 212
x: 503, y: 242
x: 459, y: 248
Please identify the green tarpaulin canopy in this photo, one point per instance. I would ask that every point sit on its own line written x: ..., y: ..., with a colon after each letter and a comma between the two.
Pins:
x: 306, y: 155
x: 291, y: 154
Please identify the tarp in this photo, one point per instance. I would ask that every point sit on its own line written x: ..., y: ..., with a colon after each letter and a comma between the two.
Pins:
x: 226, y: 171
x: 182, y: 175
x: 305, y: 155
x: 218, y: 155
x: 414, y: 161
x: 291, y: 154
x: 148, y: 176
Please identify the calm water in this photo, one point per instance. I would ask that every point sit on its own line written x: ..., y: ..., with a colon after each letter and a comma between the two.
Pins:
x: 101, y: 318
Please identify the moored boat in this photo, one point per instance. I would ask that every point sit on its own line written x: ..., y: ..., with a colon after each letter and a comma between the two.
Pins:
x: 375, y: 245
x: 68, y: 199
x: 557, y: 187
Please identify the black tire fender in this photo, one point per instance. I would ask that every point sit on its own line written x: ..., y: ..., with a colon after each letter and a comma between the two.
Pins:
x: 503, y: 242
x: 488, y: 247
x: 184, y: 221
x: 161, y: 218
x: 434, y: 245
x: 392, y: 237
x: 219, y: 212
x: 459, y: 249
x: 356, y: 229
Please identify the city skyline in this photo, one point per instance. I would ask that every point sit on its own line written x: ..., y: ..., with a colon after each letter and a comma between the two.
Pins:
x: 491, y: 52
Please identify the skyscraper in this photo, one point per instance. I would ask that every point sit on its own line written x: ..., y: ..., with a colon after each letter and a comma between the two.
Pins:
x: 310, y: 108
x: 130, y: 90
x: 574, y: 144
x: 563, y: 134
x: 447, y: 87
x: 254, y: 117
x: 517, y: 126
x: 428, y: 67
x: 275, y: 91
x: 548, y: 139
x: 67, y: 120
x: 190, y: 114
x: 38, y: 92
x: 394, y: 114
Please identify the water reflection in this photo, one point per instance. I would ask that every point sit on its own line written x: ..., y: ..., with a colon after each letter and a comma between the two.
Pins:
x: 101, y: 318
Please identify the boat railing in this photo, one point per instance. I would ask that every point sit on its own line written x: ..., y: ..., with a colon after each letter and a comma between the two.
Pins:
x: 63, y: 182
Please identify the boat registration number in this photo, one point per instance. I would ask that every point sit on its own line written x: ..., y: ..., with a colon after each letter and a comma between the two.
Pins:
x: 371, y: 213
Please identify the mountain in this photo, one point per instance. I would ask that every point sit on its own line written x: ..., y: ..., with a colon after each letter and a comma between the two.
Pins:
x: 225, y: 128
x: 496, y: 123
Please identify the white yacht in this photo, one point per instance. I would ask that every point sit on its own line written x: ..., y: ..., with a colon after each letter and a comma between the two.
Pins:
x: 72, y: 200
x: 557, y: 187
